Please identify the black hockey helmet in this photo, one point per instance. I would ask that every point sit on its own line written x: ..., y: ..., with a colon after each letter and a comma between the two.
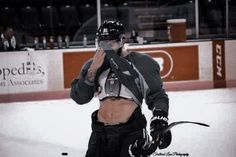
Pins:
x: 110, y: 30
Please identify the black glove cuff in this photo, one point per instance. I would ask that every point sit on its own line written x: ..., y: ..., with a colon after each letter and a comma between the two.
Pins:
x: 160, y: 115
x: 158, y: 123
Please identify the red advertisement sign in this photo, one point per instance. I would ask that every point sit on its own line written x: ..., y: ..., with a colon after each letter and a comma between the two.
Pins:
x: 72, y: 64
x: 176, y: 63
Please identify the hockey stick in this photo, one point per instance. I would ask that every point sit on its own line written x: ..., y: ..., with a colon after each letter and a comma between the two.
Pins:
x: 183, y: 122
x: 151, y: 146
x: 155, y: 143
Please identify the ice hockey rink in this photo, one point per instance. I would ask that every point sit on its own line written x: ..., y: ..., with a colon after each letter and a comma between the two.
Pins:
x: 50, y: 128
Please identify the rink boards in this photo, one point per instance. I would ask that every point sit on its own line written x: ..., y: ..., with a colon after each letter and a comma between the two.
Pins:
x: 45, y: 74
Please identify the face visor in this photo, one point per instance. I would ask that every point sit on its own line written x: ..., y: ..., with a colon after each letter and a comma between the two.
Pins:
x: 109, y: 43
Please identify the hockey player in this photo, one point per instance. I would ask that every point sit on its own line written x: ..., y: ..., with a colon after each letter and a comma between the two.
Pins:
x: 122, y: 80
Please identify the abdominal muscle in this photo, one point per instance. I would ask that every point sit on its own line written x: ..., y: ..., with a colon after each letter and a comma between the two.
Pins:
x: 115, y: 111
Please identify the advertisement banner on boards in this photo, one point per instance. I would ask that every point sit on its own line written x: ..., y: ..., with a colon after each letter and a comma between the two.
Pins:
x: 72, y: 64
x: 23, y: 72
x: 176, y: 63
x: 218, y: 47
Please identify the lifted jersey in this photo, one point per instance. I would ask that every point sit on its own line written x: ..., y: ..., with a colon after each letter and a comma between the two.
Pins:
x: 149, y: 81
x: 110, y: 86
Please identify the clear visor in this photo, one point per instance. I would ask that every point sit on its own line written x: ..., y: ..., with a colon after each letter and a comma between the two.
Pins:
x: 106, y: 44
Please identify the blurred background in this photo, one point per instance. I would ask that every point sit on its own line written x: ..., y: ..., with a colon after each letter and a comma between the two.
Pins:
x: 54, y: 19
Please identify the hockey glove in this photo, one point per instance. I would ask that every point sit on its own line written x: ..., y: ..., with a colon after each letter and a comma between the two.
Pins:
x: 158, y: 126
x: 142, y: 147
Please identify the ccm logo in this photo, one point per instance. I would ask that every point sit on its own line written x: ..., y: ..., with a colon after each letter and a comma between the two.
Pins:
x: 219, y: 60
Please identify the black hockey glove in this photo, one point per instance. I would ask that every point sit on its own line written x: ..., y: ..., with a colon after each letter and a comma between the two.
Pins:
x: 142, y: 147
x: 158, y: 126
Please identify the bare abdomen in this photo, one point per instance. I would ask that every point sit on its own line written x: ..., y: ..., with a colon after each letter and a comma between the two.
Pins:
x: 114, y: 111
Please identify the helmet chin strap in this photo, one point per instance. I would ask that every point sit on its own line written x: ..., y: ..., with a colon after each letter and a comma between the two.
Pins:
x: 121, y: 42
x: 119, y: 51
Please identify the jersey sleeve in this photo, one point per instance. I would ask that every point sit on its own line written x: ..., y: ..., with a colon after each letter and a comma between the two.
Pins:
x: 82, y: 91
x: 156, y: 97
x: 154, y: 93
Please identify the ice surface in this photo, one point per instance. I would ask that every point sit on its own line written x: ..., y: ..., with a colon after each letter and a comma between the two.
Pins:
x: 49, y: 128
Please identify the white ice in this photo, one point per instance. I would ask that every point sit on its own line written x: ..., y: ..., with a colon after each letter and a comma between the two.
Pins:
x: 49, y: 128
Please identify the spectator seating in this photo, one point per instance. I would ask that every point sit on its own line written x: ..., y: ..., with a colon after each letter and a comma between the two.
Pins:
x: 108, y: 12
x: 69, y: 18
x: 87, y: 11
x: 9, y: 17
x: 30, y: 20
x: 51, y: 19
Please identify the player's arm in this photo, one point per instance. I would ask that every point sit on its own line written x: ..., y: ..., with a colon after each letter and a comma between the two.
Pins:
x: 158, y: 102
x: 83, y: 87
x: 82, y: 90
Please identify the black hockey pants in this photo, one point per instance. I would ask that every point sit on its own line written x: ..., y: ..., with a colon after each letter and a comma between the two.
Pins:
x: 114, y: 140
